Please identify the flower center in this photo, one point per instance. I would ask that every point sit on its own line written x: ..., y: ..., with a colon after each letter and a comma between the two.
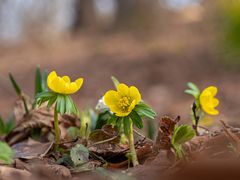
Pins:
x: 124, y: 103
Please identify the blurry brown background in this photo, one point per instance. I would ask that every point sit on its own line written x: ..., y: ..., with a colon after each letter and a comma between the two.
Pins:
x: 157, y: 45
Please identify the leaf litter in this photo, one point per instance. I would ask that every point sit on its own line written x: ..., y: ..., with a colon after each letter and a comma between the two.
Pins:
x: 35, y: 155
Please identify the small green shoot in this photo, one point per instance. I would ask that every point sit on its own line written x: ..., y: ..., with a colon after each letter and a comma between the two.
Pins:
x: 181, y: 134
x: 6, y: 126
x: 19, y: 92
x: 40, y: 81
x: 6, y: 153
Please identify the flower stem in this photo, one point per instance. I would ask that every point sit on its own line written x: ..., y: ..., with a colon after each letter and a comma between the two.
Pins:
x: 56, y: 127
x: 131, y: 145
x: 196, y: 118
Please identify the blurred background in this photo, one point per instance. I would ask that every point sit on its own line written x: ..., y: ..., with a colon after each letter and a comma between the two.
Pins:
x: 156, y: 45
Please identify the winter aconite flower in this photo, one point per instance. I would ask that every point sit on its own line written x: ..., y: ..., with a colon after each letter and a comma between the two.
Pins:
x: 122, y: 101
x: 126, y: 110
x: 208, y: 101
x: 63, y: 85
x: 204, y: 104
x: 59, y: 97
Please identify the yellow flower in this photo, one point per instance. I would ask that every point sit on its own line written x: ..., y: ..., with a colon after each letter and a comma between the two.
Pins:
x: 63, y: 85
x: 208, y: 102
x: 122, y: 101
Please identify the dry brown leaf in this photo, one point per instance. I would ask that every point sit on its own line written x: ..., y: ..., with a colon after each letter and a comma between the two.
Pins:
x: 31, y: 149
x: 165, y: 131
x: 19, y: 110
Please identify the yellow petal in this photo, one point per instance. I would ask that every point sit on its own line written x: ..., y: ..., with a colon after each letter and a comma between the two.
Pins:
x: 215, y: 102
x: 57, y: 85
x: 211, y: 89
x: 111, y: 98
x: 115, y: 109
x: 123, y: 89
x: 131, y: 107
x: 72, y: 88
x: 122, y: 114
x: 205, y: 99
x: 79, y: 82
x: 126, y: 113
x: 134, y: 94
x: 66, y: 79
x: 210, y: 110
x: 63, y: 85
x: 51, y: 77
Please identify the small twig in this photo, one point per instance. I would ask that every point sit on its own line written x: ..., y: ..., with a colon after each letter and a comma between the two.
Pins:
x: 98, y: 157
x: 104, y: 141
x: 71, y: 141
x: 141, y: 135
x: 196, y: 118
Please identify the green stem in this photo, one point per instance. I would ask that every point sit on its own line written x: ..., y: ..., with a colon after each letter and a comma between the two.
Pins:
x: 179, y: 151
x: 56, y: 127
x: 131, y: 145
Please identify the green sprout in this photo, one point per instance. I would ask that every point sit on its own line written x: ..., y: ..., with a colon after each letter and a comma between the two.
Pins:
x: 6, y: 126
x: 6, y: 153
x: 181, y: 134
x: 19, y: 92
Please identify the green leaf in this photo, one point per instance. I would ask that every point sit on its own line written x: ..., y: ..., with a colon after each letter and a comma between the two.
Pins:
x: 103, y: 118
x: 119, y: 123
x: 144, y: 110
x: 51, y: 101
x: 112, y: 119
x: 9, y: 125
x: 126, y: 125
x: 193, y: 87
x: 2, y: 126
x: 44, y: 81
x: 38, y: 81
x: 193, y: 90
x: 137, y: 120
x: 69, y: 105
x: 6, y: 153
x: 182, y: 134
x: 60, y: 104
x: 74, y: 109
x: 15, y: 85
x: 79, y: 154
x: 115, y: 81
x: 179, y: 151
x: 43, y: 97
x: 6, y: 127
